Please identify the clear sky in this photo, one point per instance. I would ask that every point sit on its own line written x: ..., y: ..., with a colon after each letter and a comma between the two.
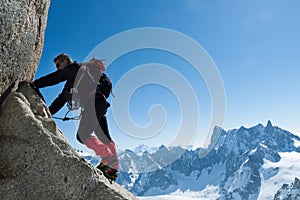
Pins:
x: 255, y: 46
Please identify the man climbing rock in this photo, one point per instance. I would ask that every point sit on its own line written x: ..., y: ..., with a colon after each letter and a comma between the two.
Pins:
x: 91, y: 86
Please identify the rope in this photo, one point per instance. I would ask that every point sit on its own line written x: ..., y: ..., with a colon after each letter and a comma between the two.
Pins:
x: 66, y: 118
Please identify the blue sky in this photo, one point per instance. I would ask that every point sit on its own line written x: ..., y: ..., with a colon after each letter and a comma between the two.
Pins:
x: 254, y: 44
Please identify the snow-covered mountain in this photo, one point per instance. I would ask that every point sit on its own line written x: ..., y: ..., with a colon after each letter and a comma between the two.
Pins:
x: 244, y: 163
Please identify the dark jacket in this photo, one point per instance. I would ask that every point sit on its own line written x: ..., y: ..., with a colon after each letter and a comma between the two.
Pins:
x: 67, y: 74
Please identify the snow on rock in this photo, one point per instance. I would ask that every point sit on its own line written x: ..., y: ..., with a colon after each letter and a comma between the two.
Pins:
x: 288, y: 168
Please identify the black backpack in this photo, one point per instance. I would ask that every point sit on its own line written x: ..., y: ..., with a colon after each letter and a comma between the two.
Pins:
x: 90, y: 70
x: 84, y: 87
x: 105, y: 86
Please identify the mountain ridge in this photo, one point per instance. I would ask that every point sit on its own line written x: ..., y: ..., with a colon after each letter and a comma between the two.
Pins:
x: 234, y: 164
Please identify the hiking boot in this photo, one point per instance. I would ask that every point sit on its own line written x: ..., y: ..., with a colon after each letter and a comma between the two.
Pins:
x: 109, y: 167
x: 110, y: 173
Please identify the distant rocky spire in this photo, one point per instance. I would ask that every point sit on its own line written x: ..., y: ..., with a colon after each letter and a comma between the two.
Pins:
x: 269, y: 128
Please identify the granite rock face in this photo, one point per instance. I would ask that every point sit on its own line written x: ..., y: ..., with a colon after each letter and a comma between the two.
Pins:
x: 36, y: 161
x: 22, y: 27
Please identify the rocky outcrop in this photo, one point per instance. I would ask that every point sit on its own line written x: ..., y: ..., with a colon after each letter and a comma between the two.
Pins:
x: 36, y: 161
x: 22, y: 27
x: 289, y: 192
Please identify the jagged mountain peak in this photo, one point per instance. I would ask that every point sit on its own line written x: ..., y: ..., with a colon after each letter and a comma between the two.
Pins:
x: 163, y: 147
x: 270, y: 136
x: 269, y: 124
x: 269, y: 128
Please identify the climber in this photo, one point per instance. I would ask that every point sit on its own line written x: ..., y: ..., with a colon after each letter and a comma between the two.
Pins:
x: 92, y: 96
